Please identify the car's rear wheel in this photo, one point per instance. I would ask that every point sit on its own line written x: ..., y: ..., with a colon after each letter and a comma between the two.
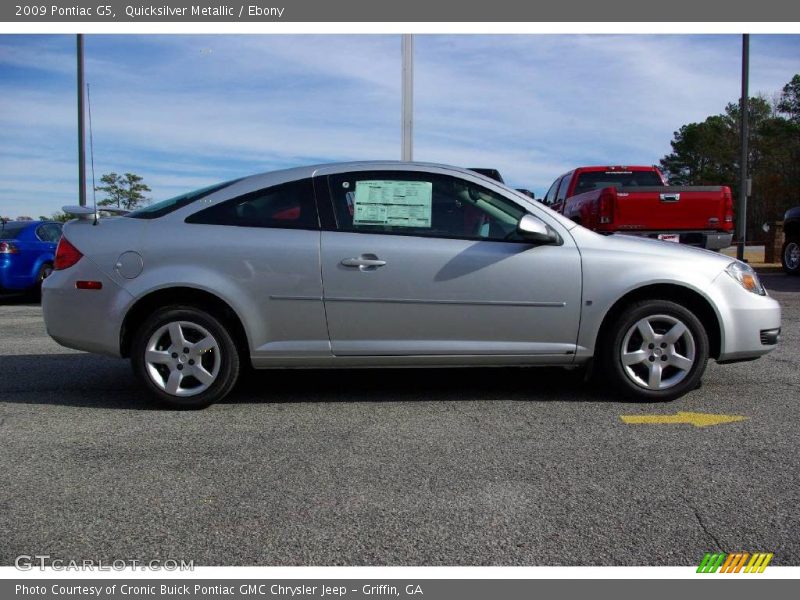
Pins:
x: 185, y: 357
x: 656, y: 350
x: 790, y: 257
x: 44, y: 272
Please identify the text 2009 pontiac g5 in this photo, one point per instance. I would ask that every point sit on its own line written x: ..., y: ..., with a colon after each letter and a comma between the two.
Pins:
x: 392, y: 264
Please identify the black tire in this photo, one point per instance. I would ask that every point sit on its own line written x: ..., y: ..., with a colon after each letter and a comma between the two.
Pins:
x: 634, y: 380
x: 35, y: 292
x: 224, y: 357
x: 789, y: 256
x: 44, y: 272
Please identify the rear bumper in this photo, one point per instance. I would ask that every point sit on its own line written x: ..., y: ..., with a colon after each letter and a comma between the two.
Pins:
x: 710, y: 240
x: 87, y: 320
x: 707, y: 240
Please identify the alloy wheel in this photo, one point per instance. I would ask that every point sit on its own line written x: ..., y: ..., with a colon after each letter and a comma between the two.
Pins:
x: 182, y: 358
x: 658, y: 352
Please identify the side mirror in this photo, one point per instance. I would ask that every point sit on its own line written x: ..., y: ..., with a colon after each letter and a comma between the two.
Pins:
x: 534, y: 229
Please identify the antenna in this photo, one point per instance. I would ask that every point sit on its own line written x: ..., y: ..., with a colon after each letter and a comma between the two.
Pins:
x: 91, y: 149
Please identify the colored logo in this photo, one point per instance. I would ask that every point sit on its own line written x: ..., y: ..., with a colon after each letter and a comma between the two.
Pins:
x: 735, y: 562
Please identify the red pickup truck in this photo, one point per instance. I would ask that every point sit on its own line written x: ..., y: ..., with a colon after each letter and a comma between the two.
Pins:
x: 638, y: 201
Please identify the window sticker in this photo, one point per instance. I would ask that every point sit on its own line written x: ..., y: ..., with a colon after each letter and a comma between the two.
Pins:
x: 393, y: 203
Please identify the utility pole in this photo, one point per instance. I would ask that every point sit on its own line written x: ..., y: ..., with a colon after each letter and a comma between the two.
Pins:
x: 744, y: 117
x: 81, y: 129
x: 407, y: 51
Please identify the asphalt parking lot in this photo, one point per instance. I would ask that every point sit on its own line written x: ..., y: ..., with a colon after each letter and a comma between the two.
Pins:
x: 411, y: 467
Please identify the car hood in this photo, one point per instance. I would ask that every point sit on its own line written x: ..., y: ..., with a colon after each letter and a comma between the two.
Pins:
x: 699, y: 258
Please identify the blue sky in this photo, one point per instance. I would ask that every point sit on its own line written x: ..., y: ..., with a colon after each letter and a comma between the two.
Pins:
x: 184, y: 111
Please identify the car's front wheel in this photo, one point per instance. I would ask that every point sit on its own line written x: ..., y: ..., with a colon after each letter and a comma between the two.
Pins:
x: 790, y: 257
x: 656, y: 350
x: 185, y: 357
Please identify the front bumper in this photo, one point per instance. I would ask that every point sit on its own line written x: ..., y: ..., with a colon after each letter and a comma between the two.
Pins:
x: 750, y: 323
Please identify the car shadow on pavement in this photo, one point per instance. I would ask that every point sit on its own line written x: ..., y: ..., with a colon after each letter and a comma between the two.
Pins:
x: 780, y: 282
x: 86, y: 380
x: 18, y: 299
x: 410, y: 384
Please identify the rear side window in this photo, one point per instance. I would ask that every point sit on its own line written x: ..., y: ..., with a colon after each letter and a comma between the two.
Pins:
x: 49, y: 232
x: 285, y: 206
x: 159, y: 209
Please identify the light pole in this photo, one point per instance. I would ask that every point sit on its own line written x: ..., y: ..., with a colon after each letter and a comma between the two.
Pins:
x: 407, y: 108
x: 744, y: 117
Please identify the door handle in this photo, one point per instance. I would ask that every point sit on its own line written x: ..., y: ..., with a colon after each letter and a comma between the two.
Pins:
x: 365, y: 262
x: 670, y: 197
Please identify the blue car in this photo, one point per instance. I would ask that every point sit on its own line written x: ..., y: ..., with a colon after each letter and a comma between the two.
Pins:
x: 27, y: 251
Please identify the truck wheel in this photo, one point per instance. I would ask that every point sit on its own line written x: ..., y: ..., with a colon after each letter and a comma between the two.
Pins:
x: 185, y: 357
x: 656, y: 350
x: 790, y: 257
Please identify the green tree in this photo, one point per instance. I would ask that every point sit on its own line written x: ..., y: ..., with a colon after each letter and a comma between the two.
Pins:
x: 789, y: 101
x: 123, y: 191
x: 702, y: 153
x: 709, y: 153
x: 59, y: 216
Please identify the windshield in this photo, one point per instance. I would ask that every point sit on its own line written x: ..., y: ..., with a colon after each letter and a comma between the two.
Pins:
x: 12, y: 229
x: 595, y: 180
x: 164, y: 207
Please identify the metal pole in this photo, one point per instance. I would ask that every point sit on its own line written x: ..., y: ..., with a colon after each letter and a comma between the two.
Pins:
x: 407, y: 50
x: 744, y: 117
x: 81, y: 129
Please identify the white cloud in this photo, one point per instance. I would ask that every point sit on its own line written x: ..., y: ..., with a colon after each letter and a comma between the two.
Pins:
x: 184, y: 111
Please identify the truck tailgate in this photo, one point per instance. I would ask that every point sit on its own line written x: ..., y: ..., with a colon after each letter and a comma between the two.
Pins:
x: 671, y: 208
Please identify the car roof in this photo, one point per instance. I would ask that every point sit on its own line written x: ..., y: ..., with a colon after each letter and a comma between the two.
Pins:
x: 310, y: 170
x: 23, y: 225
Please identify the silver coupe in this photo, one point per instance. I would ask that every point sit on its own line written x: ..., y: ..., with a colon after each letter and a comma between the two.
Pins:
x: 392, y: 264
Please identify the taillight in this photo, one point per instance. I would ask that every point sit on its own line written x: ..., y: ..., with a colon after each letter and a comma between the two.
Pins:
x: 606, y: 209
x: 66, y: 255
x: 8, y: 248
x: 727, y: 210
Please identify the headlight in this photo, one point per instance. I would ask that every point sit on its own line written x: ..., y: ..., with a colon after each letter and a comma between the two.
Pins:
x: 746, y: 277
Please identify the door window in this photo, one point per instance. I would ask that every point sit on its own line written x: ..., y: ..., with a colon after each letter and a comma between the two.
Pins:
x: 550, y: 197
x: 421, y: 204
x: 562, y: 189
